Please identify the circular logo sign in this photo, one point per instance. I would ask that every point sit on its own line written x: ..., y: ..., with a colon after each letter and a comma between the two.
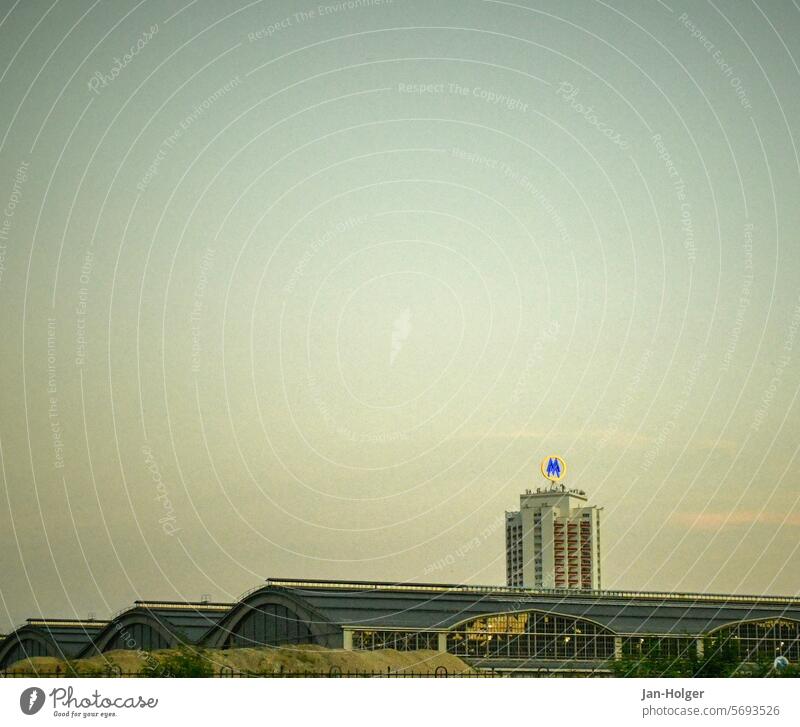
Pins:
x: 554, y: 468
x: 31, y: 700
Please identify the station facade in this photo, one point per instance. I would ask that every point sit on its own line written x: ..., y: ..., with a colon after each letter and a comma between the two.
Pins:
x: 491, y: 627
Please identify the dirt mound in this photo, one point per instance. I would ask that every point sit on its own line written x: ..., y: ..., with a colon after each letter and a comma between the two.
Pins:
x: 318, y: 659
x: 279, y: 660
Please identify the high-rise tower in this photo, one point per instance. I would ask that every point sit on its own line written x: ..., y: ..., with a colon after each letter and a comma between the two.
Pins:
x: 553, y: 540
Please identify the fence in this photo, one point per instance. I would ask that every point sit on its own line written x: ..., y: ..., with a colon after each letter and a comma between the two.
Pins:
x: 229, y: 673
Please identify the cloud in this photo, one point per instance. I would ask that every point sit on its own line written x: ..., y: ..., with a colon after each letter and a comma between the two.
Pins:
x: 733, y: 518
x: 612, y: 437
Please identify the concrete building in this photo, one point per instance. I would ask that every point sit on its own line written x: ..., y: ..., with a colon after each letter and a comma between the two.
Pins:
x: 553, y: 540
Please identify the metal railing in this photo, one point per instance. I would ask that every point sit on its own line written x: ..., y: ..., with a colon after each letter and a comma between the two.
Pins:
x: 230, y: 673
x: 521, y: 591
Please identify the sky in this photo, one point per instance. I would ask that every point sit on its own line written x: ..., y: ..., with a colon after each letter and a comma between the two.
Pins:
x: 304, y: 290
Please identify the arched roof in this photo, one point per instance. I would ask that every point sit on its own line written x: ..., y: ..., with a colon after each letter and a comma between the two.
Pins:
x: 316, y: 622
x: 61, y: 638
x: 175, y: 622
x: 326, y: 607
x: 440, y: 606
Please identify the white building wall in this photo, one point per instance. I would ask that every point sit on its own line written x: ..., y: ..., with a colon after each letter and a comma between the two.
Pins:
x: 541, y: 515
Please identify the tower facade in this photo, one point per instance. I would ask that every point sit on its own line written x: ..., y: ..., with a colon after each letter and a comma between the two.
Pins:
x: 553, y: 540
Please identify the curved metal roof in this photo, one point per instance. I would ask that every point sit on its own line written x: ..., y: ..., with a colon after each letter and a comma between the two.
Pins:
x: 180, y: 622
x: 63, y: 638
x: 327, y: 605
x: 439, y: 606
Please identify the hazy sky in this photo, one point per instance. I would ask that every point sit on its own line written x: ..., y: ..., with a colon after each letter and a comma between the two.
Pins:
x: 302, y: 290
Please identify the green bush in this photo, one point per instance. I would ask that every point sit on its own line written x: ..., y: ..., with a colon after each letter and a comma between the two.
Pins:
x: 184, y: 663
x: 718, y: 660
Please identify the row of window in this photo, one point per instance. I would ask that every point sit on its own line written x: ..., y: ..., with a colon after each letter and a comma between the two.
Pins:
x: 765, y: 649
x: 542, y: 636
x: 399, y: 640
x: 531, y: 622
x: 659, y: 647
x: 531, y: 646
x: 761, y: 640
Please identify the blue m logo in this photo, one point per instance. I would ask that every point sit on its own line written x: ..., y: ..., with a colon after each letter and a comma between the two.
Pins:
x: 553, y: 467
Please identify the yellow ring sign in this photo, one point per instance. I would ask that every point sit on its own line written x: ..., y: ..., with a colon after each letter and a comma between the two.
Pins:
x: 554, y: 468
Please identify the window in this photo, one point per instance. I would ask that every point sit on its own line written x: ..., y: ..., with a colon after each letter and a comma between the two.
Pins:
x: 760, y: 640
x: 531, y: 635
x: 659, y: 647
x: 366, y: 640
